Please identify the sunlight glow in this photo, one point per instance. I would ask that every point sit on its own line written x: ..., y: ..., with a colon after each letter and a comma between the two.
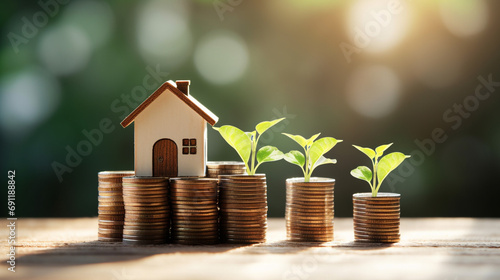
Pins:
x: 377, y: 25
x: 464, y: 17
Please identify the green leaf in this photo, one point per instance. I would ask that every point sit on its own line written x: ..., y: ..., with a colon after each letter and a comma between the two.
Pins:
x: 362, y: 173
x: 387, y: 164
x: 237, y: 139
x: 263, y: 126
x: 251, y: 135
x: 297, y: 138
x: 323, y: 160
x: 310, y: 141
x: 381, y: 149
x: 367, y: 151
x: 321, y: 147
x: 268, y: 154
x: 295, y: 157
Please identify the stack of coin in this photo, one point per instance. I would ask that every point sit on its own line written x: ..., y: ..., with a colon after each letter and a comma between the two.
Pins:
x: 147, y: 213
x: 216, y: 168
x: 309, y: 209
x: 376, y: 219
x: 111, y: 211
x: 195, y: 216
x: 243, y: 208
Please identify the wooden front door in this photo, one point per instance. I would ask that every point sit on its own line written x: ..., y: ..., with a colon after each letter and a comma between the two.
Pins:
x: 165, y: 158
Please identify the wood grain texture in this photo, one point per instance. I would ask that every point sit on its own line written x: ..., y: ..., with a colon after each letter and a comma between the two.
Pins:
x: 194, y: 104
x: 445, y: 249
x: 165, y: 158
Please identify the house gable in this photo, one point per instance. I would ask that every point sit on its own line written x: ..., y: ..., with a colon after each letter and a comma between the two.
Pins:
x: 170, y: 87
x: 170, y: 118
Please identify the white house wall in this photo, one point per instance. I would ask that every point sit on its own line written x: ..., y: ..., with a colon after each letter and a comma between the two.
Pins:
x: 169, y: 117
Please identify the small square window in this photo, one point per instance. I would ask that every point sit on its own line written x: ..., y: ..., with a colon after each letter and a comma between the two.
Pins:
x: 189, y: 146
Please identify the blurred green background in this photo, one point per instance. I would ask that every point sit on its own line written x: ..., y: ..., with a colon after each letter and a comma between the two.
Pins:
x: 369, y: 72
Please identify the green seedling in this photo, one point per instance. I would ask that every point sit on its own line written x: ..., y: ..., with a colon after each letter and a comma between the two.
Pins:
x: 381, y: 168
x: 245, y: 144
x: 314, y: 151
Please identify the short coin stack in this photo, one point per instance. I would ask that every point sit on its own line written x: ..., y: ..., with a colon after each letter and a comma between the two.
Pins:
x: 111, y: 211
x: 195, y: 216
x: 376, y: 219
x: 243, y: 208
x: 216, y: 168
x: 147, y: 213
x: 309, y: 209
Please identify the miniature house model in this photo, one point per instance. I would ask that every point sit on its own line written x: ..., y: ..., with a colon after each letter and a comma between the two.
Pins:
x: 170, y: 133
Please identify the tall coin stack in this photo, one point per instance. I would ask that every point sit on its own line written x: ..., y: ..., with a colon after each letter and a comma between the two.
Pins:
x: 111, y: 211
x: 147, y: 219
x: 216, y: 168
x: 243, y: 208
x: 309, y: 209
x: 376, y: 219
x: 195, y: 216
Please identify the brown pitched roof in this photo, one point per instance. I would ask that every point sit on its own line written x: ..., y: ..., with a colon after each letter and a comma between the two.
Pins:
x: 210, y: 117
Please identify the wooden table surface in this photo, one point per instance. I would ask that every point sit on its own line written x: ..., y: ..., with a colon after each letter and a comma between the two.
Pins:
x: 432, y: 248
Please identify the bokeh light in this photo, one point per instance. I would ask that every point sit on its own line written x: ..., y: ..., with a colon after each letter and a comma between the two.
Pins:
x: 221, y: 57
x: 99, y: 29
x: 163, y: 33
x: 26, y: 100
x: 261, y: 60
x: 64, y: 50
x: 373, y: 91
x: 464, y: 17
x: 376, y: 25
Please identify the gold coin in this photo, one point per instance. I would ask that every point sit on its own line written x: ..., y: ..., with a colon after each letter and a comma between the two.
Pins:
x: 109, y: 222
x: 148, y: 204
x: 143, y: 232
x: 145, y: 200
x: 111, y: 205
x: 376, y: 225
x: 147, y: 208
x: 110, y: 217
x: 225, y: 164
x: 110, y: 226
x: 105, y: 212
x: 110, y: 189
x: 254, y: 205
x: 195, y: 208
x: 143, y: 242
x: 375, y: 217
x: 203, y: 239
x: 114, y: 208
x: 140, y: 228
x: 109, y: 235
x: 110, y: 199
x: 239, y: 217
x: 374, y: 210
x: 108, y: 239
x: 309, y: 222
x: 376, y: 233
